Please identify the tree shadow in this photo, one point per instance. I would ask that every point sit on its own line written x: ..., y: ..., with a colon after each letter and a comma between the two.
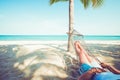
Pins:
x: 109, y: 51
x: 71, y: 63
x: 17, y: 64
x: 7, y: 60
x: 116, y: 64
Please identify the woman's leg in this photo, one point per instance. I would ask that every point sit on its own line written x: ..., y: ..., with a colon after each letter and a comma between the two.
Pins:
x: 83, y: 57
x: 90, y: 59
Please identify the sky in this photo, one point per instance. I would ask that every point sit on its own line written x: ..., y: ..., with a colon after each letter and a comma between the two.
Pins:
x: 37, y: 17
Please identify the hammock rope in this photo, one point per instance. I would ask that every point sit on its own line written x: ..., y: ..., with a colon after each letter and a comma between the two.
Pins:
x: 79, y: 37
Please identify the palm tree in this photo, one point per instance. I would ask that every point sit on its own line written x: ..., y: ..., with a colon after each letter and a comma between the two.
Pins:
x: 95, y: 3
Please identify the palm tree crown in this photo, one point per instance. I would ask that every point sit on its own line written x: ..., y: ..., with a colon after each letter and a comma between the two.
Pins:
x: 86, y: 3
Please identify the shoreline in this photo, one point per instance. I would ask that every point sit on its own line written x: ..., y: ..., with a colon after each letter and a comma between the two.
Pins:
x: 35, y: 42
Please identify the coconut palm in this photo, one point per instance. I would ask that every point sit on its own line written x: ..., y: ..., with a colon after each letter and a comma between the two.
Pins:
x: 95, y: 3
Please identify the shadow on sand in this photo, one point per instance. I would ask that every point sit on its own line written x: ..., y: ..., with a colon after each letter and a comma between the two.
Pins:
x: 111, y: 53
x: 17, y: 63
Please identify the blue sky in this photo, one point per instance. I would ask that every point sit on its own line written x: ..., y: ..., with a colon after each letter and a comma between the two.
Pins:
x: 37, y: 17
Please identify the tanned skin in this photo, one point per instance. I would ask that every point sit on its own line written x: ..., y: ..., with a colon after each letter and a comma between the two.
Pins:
x: 110, y: 68
x: 85, y: 58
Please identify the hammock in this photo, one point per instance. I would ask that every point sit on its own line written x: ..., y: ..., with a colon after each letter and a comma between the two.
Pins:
x: 79, y: 37
x: 103, y: 76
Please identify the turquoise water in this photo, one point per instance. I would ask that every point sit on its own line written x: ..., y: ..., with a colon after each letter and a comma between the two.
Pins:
x: 54, y: 37
x: 33, y: 37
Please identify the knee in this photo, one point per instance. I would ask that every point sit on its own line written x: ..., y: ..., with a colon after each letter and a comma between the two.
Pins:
x: 76, y: 43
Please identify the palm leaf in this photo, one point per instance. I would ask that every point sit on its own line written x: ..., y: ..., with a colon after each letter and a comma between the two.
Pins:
x: 95, y: 3
x: 55, y: 1
x: 85, y: 3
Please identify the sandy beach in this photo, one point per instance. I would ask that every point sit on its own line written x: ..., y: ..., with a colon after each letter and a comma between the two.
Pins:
x: 49, y: 60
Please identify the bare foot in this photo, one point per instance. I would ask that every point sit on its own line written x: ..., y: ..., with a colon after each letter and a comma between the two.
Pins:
x: 78, y: 48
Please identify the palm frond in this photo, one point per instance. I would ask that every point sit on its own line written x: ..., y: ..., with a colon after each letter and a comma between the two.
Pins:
x: 55, y: 1
x: 97, y: 3
x: 85, y: 3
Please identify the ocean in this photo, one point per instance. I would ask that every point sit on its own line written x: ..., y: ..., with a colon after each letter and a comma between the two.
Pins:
x: 55, y: 37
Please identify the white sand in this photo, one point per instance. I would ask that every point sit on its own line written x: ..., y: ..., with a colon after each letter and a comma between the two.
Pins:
x: 34, y: 60
x: 39, y: 60
x: 115, y: 42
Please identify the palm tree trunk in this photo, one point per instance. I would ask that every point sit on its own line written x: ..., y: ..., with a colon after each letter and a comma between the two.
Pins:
x: 71, y: 24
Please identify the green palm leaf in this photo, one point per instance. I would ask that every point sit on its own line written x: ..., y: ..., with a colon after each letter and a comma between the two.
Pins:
x: 95, y: 3
x: 85, y: 3
x: 55, y: 1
